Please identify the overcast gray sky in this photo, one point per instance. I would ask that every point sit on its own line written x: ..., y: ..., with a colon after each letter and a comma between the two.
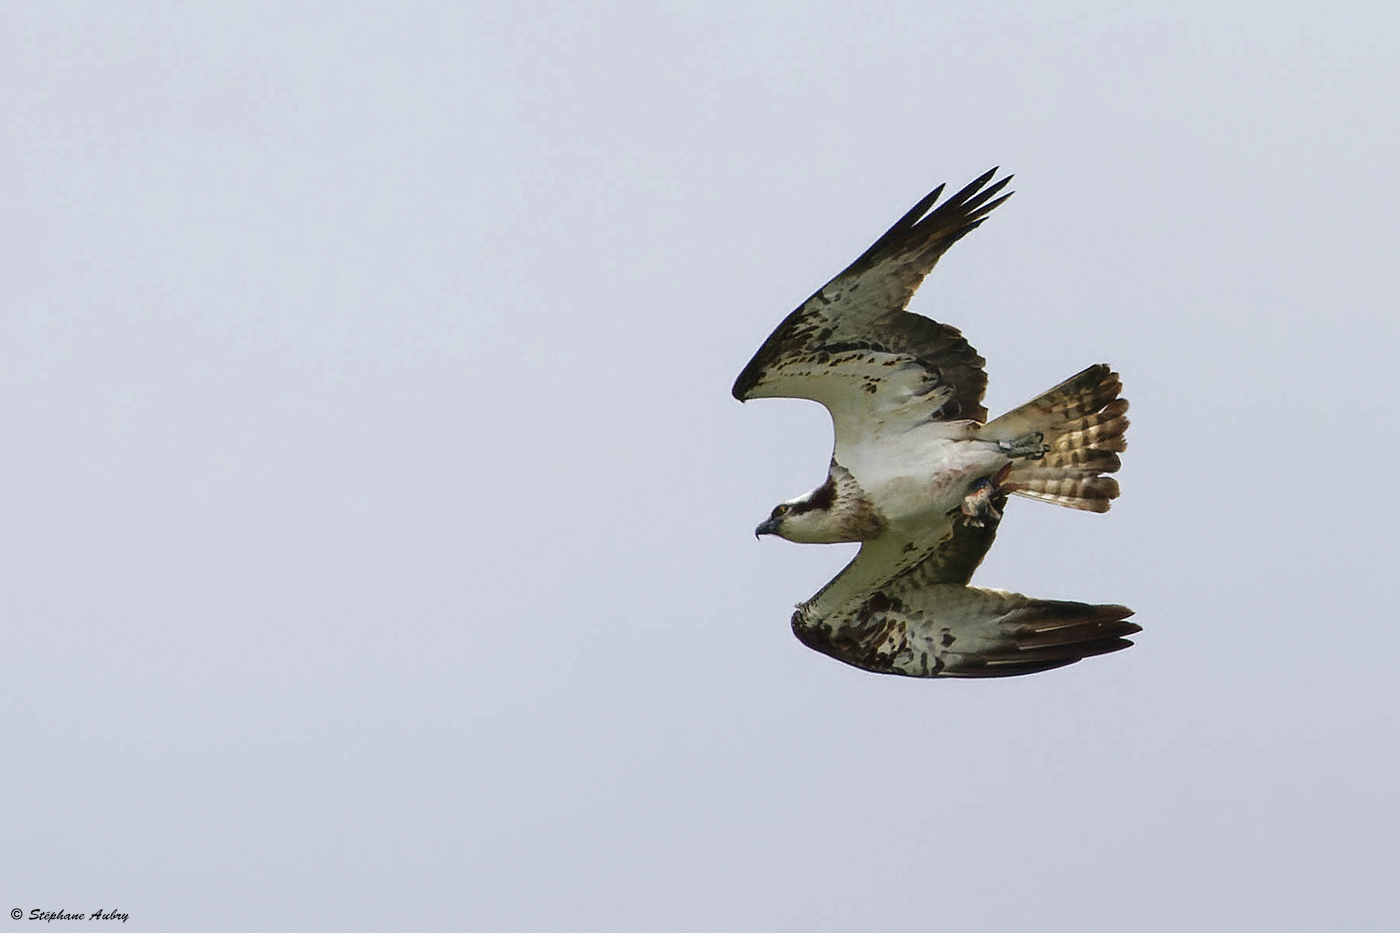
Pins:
x: 378, y: 524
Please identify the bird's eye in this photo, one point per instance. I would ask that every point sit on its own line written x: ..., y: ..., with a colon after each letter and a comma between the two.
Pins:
x: 780, y: 511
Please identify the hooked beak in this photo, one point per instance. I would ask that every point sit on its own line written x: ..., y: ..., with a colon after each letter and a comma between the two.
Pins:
x: 770, y: 527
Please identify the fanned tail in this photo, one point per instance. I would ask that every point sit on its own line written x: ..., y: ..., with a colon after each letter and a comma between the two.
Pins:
x: 1083, y: 422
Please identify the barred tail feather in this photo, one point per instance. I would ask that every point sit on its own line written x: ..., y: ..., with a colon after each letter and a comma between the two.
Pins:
x: 1091, y: 493
x: 1084, y: 425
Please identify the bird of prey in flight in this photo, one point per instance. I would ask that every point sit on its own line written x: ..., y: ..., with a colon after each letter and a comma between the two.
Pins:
x: 920, y: 477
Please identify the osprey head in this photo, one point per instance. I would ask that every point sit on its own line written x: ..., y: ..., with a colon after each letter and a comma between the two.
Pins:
x: 809, y: 519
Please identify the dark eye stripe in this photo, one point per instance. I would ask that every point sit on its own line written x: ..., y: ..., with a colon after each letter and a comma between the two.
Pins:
x: 821, y: 499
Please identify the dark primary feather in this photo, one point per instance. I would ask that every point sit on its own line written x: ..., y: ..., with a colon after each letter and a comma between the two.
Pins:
x: 861, y: 311
x: 923, y: 239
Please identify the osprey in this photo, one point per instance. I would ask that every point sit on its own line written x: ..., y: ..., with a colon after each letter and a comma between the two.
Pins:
x: 919, y: 476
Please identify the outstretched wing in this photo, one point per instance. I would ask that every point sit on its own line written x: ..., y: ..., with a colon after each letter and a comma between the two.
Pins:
x: 965, y: 631
x: 925, y: 621
x: 854, y: 348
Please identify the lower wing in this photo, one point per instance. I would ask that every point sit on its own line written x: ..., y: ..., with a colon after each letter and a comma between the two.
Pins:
x: 951, y: 630
x: 921, y: 619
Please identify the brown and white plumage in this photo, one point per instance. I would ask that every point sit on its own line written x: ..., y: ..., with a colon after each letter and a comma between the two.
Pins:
x: 854, y: 348
x: 920, y: 480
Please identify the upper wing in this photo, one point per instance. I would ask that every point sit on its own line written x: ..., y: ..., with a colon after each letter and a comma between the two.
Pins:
x: 854, y: 348
x: 924, y: 621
